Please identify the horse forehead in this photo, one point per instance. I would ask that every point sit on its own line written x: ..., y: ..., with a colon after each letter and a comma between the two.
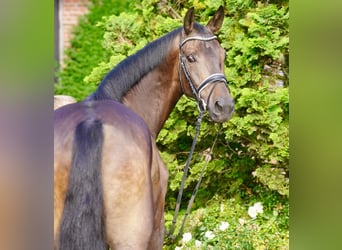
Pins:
x: 212, y: 47
x: 207, y: 48
x: 212, y: 52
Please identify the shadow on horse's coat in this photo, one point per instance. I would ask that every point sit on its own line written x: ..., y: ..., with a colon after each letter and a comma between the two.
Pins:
x: 109, y: 179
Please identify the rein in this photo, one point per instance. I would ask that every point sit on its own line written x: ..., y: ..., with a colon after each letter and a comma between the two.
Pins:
x: 194, y: 193
x: 180, y: 193
x: 202, y: 106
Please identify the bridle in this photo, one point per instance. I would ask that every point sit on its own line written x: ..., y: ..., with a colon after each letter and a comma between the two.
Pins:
x: 202, y: 106
x: 214, y: 78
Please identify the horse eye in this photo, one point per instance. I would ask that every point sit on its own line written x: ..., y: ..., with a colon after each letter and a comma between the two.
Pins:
x: 191, y: 58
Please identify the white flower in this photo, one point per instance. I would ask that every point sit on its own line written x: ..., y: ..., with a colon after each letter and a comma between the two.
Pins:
x: 178, y: 248
x: 224, y: 225
x: 258, y: 208
x: 198, y: 243
x: 209, y: 234
x: 187, y: 237
x: 254, y: 210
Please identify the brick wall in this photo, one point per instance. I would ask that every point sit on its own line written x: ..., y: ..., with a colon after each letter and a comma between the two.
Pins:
x: 69, y: 12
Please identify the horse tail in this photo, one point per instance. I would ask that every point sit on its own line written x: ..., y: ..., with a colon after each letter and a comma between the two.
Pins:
x: 82, y: 225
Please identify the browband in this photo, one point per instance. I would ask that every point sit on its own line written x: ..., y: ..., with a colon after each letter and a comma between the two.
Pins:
x: 198, y: 38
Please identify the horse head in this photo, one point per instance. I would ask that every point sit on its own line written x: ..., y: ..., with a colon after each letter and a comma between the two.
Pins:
x: 201, y: 65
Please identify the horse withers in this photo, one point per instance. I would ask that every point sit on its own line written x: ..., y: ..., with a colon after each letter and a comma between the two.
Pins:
x: 109, y: 179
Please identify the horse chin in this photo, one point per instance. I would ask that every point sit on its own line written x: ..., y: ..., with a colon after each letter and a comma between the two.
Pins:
x: 221, y: 117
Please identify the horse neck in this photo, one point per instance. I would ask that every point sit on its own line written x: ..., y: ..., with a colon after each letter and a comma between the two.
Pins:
x: 156, y: 94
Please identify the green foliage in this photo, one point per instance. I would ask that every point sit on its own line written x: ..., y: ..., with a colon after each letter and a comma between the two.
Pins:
x: 86, y: 49
x: 251, y: 158
x: 257, y: 45
x: 125, y: 34
x: 274, y: 178
x: 258, y: 39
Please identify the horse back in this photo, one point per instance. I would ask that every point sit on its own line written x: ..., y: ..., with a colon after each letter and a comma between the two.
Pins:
x: 120, y: 121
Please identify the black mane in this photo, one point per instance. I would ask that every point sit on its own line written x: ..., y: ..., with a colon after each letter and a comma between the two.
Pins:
x: 128, y: 72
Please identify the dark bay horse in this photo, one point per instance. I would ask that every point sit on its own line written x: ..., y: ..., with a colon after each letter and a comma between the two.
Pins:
x: 109, y: 179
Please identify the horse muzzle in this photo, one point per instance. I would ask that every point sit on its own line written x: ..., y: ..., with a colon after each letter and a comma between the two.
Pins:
x: 220, y: 104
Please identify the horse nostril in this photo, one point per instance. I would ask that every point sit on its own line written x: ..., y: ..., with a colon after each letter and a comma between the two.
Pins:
x: 223, y: 106
x: 218, y: 106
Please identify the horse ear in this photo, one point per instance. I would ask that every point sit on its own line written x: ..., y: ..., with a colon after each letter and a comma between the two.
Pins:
x: 189, y: 21
x: 216, y: 21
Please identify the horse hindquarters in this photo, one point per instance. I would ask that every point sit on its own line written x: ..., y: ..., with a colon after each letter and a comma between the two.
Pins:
x: 127, y: 187
x: 121, y: 168
x: 82, y: 224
